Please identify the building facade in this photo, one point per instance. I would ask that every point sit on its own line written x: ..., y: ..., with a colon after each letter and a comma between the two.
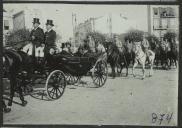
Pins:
x: 7, y: 24
x: 162, y: 19
x: 81, y: 31
x: 23, y: 19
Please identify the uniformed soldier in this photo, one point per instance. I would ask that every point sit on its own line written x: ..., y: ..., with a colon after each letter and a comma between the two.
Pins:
x: 145, y: 45
x: 50, y: 38
x: 118, y: 43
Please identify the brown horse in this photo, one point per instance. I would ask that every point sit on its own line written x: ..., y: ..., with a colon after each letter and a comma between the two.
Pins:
x: 116, y: 58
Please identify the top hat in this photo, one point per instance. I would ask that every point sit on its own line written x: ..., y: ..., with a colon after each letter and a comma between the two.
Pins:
x: 50, y: 22
x: 36, y: 20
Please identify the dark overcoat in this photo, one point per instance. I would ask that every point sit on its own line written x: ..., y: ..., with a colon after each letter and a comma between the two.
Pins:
x: 50, y: 38
x: 39, y: 36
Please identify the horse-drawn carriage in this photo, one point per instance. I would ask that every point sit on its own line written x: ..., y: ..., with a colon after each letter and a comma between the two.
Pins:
x: 53, y: 71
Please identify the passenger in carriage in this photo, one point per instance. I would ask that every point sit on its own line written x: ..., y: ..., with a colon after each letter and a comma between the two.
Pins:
x: 80, y: 51
x: 64, y: 48
x: 68, y: 45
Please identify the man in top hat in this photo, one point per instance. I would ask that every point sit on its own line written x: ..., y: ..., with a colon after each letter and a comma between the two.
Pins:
x: 50, y: 38
x: 36, y: 36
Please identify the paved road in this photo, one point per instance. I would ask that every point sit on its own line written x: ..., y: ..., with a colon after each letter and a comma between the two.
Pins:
x: 122, y: 101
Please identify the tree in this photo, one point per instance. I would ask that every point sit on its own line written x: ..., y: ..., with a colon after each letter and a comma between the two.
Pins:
x: 97, y: 36
x: 153, y: 41
x: 134, y: 35
x: 170, y: 36
x: 18, y: 38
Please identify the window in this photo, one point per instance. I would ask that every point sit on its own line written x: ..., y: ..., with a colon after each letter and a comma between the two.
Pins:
x: 156, y: 23
x: 164, y: 23
x: 6, y: 25
x: 155, y: 11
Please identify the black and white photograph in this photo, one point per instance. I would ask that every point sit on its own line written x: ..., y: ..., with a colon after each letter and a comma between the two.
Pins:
x: 90, y: 64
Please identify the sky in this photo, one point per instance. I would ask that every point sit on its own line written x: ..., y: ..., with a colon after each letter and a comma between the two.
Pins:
x: 61, y: 14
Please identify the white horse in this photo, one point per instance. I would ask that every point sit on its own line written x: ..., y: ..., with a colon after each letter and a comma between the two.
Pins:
x: 140, y: 58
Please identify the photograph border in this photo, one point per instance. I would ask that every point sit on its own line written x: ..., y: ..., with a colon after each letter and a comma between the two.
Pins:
x: 177, y: 2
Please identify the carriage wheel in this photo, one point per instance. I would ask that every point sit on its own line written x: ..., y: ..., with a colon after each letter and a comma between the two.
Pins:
x: 99, y: 74
x: 70, y: 79
x: 55, y: 84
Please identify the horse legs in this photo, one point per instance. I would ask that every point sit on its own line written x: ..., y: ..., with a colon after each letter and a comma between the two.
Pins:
x: 113, y: 70
x: 151, y: 69
x: 143, y: 70
x: 5, y: 108
x: 13, y: 85
x: 12, y: 89
x: 126, y: 71
x: 20, y: 90
x: 133, y: 69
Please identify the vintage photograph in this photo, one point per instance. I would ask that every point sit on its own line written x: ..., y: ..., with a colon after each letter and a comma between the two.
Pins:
x: 86, y: 64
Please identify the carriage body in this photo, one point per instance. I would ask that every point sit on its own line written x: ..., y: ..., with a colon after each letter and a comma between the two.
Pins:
x: 76, y: 66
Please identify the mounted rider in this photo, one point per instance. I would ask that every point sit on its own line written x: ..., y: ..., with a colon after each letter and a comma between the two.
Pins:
x: 118, y: 43
x: 165, y: 45
x: 145, y: 45
x: 120, y: 47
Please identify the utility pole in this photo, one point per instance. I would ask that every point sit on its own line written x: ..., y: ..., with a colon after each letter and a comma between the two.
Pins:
x: 94, y: 22
x: 74, y: 24
x: 110, y: 25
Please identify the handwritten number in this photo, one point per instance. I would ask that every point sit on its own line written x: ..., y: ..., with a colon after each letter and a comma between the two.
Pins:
x: 161, y: 119
x: 169, y: 117
x: 154, y: 117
